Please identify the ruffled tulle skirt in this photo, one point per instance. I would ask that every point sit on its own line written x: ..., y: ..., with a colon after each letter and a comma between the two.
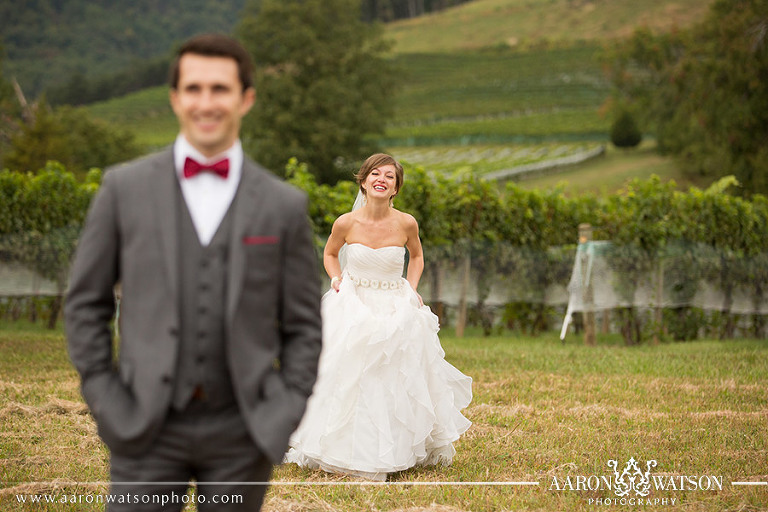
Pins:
x: 386, y: 399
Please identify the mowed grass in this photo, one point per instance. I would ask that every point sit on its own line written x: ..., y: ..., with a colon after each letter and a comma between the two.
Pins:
x: 482, y: 159
x: 611, y: 172
x: 524, y: 23
x: 541, y: 410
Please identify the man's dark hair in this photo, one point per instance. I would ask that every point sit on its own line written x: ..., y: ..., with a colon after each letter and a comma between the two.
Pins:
x: 215, y: 45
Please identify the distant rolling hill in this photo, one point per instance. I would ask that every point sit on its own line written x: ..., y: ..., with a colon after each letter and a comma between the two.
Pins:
x: 483, y: 24
x: 47, y: 41
x: 513, y: 56
x: 503, y: 72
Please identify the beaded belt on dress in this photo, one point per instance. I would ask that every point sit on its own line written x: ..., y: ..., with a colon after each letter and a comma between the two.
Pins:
x: 377, y: 284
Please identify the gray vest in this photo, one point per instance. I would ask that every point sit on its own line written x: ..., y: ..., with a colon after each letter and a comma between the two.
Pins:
x: 202, y: 369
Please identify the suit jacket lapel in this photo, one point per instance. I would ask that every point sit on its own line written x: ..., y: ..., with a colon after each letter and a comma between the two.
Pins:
x: 249, y: 200
x: 165, y: 187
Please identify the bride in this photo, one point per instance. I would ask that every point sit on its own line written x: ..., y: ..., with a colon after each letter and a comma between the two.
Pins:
x: 385, y: 399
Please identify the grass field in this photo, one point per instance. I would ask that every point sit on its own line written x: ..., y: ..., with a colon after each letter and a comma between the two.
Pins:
x: 482, y: 159
x: 611, y: 172
x: 542, y: 410
x: 524, y: 23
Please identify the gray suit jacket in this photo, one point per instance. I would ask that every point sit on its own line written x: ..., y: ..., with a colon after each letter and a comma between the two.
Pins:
x: 273, y: 327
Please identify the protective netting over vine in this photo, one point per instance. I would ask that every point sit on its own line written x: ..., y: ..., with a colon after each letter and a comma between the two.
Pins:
x: 592, y: 276
x: 601, y: 276
x: 606, y: 276
x: 19, y: 280
x: 36, y: 264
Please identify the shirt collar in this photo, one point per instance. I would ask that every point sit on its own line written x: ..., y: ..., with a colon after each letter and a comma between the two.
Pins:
x: 183, y: 149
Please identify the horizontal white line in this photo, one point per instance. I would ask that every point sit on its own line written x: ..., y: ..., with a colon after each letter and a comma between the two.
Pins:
x: 311, y: 483
x: 333, y: 483
x: 288, y: 483
x: 408, y: 483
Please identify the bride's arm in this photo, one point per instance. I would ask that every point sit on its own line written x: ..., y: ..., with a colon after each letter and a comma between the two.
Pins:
x: 415, y: 252
x: 332, y: 247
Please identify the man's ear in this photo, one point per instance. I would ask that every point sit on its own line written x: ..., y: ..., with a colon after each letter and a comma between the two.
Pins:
x: 173, y: 98
x: 249, y: 98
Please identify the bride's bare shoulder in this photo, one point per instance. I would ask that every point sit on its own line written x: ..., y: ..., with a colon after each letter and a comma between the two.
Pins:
x: 406, y: 219
x: 344, y: 223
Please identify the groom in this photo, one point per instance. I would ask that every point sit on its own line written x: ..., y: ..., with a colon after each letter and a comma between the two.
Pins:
x: 220, y: 303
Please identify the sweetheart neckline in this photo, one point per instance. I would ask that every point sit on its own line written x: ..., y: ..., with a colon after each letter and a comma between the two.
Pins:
x: 377, y: 248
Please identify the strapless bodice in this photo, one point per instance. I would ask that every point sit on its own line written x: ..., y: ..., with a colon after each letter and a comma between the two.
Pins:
x: 368, y: 265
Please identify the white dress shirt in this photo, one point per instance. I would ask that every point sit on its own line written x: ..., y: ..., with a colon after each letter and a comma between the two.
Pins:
x: 207, y: 195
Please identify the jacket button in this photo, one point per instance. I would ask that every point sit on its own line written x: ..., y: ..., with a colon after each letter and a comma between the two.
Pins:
x: 166, y: 379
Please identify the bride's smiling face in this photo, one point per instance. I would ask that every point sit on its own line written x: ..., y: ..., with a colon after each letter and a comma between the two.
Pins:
x: 381, y: 182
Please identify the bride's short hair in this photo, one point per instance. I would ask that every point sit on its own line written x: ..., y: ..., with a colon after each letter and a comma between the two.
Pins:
x: 374, y: 162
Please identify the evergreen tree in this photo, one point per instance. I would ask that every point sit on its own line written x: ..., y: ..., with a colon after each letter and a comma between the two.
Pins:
x: 322, y: 83
x: 624, y: 131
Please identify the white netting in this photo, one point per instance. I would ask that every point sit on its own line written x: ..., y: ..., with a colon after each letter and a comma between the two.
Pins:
x: 19, y: 280
x: 600, y: 276
x: 607, y: 277
x: 593, y: 276
x: 36, y: 264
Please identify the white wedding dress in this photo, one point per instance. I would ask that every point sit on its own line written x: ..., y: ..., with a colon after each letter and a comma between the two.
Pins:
x: 385, y: 399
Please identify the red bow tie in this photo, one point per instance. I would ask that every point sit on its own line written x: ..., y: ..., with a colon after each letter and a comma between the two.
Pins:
x: 191, y: 168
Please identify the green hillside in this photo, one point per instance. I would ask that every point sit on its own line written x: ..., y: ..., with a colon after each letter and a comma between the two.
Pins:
x: 510, y: 100
x: 441, y: 85
x: 47, y: 41
x: 612, y: 171
x: 538, y: 23
x: 448, y: 99
x: 146, y: 113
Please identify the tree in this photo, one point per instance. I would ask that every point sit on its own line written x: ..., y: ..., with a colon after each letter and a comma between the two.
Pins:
x: 69, y: 136
x: 388, y: 10
x: 10, y: 110
x: 624, y: 131
x: 704, y: 91
x: 322, y: 83
x: 48, y: 41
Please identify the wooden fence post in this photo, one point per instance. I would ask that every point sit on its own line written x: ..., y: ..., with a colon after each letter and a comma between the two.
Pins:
x: 585, y: 235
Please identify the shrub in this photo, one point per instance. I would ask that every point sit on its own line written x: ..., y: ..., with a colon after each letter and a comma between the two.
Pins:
x: 625, y: 132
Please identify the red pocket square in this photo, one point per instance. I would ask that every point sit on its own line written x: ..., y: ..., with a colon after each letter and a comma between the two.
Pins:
x: 259, y: 240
